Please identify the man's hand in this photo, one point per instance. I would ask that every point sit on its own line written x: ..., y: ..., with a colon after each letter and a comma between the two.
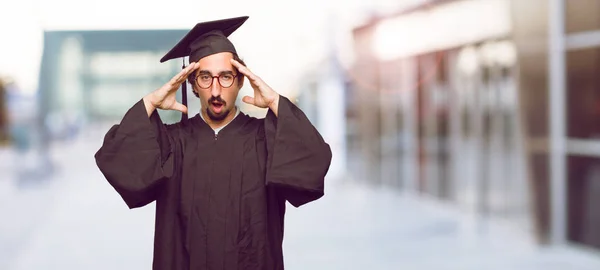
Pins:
x: 264, y: 95
x: 165, y: 97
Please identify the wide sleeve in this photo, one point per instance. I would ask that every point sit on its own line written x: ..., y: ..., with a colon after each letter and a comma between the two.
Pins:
x: 297, y: 156
x: 136, y: 156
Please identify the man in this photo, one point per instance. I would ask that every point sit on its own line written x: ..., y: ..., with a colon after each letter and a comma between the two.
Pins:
x: 220, y: 179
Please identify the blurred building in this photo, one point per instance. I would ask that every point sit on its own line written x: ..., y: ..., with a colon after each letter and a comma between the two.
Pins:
x: 491, y: 106
x: 4, y: 125
x: 90, y: 76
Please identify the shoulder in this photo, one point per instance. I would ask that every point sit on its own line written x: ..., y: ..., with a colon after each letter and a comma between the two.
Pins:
x: 186, y: 126
x: 250, y: 124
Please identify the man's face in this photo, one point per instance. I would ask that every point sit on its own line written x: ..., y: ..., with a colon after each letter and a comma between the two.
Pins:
x: 218, y: 101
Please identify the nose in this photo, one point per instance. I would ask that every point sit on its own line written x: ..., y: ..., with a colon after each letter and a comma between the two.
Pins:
x: 215, y: 88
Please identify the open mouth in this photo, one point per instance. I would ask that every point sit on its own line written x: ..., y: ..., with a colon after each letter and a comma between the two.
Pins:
x: 217, y: 107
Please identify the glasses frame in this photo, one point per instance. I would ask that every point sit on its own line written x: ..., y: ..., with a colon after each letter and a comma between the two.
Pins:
x: 212, y: 80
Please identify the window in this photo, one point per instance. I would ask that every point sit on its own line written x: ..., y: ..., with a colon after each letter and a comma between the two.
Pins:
x: 582, y: 15
x: 583, y: 93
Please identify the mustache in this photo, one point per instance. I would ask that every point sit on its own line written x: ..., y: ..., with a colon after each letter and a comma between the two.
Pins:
x: 217, y: 99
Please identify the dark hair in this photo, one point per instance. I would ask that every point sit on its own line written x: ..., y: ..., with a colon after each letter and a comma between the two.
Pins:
x: 240, y: 77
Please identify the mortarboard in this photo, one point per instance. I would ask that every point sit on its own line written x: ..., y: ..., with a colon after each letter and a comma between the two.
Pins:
x: 204, y: 39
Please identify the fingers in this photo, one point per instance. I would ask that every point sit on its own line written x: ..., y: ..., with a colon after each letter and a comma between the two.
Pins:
x: 187, y: 71
x: 179, y: 107
x: 244, y: 70
x: 248, y: 99
x: 183, y: 74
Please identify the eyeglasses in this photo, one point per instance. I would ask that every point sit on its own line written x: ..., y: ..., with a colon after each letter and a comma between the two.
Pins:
x: 205, y: 81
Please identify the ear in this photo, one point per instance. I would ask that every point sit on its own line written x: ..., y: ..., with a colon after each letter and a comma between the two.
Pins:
x: 195, y: 92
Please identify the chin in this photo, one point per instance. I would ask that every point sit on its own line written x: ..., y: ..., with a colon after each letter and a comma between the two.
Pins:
x: 217, y: 117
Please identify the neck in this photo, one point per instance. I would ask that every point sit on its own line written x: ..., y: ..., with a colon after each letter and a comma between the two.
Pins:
x: 214, y: 124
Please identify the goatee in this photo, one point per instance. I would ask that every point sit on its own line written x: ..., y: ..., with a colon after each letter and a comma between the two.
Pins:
x: 215, y: 117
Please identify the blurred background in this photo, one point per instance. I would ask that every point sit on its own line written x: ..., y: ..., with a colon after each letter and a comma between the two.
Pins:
x: 465, y: 133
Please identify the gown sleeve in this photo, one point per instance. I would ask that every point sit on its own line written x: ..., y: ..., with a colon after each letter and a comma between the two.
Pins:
x: 297, y: 156
x: 137, y: 157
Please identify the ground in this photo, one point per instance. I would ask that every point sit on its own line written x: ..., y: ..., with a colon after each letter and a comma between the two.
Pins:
x: 73, y: 219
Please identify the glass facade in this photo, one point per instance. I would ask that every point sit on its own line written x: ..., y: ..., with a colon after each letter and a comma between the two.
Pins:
x: 582, y: 25
x: 583, y: 99
x: 446, y: 124
x: 581, y: 15
x: 470, y: 124
x: 583, y: 200
x: 96, y: 76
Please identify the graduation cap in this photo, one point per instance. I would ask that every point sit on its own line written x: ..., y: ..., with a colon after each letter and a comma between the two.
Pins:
x: 204, y: 39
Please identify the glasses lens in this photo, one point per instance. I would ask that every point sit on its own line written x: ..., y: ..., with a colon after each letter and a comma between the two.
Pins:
x: 226, y: 80
x: 204, y: 81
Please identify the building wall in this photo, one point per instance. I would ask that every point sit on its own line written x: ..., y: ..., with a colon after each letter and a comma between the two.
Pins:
x: 582, y: 64
x: 444, y: 123
x: 365, y: 78
x: 530, y: 35
x: 470, y: 123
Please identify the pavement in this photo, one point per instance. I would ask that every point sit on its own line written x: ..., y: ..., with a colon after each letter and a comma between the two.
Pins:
x: 72, y: 219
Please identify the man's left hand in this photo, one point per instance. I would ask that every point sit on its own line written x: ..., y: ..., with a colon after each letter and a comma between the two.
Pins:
x: 264, y: 95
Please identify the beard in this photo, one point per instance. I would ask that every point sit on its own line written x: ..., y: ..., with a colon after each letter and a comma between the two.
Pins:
x: 217, y: 117
x: 224, y: 112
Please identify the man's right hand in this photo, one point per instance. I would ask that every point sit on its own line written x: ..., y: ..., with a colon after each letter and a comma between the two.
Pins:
x: 165, y: 97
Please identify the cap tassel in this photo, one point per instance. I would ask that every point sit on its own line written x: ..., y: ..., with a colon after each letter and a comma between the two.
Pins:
x: 184, y: 94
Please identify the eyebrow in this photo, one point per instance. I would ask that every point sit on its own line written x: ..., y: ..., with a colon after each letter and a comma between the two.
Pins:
x: 204, y: 72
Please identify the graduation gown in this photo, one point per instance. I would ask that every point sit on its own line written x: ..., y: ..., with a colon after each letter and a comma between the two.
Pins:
x: 220, y: 199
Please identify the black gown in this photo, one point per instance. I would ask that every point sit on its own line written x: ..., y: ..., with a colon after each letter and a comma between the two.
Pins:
x: 220, y: 200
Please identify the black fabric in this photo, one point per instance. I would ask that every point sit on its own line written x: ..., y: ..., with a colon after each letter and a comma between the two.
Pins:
x: 206, y: 38
x: 210, y: 43
x: 220, y: 200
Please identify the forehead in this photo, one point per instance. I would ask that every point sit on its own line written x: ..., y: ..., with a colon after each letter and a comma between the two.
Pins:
x: 218, y: 61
